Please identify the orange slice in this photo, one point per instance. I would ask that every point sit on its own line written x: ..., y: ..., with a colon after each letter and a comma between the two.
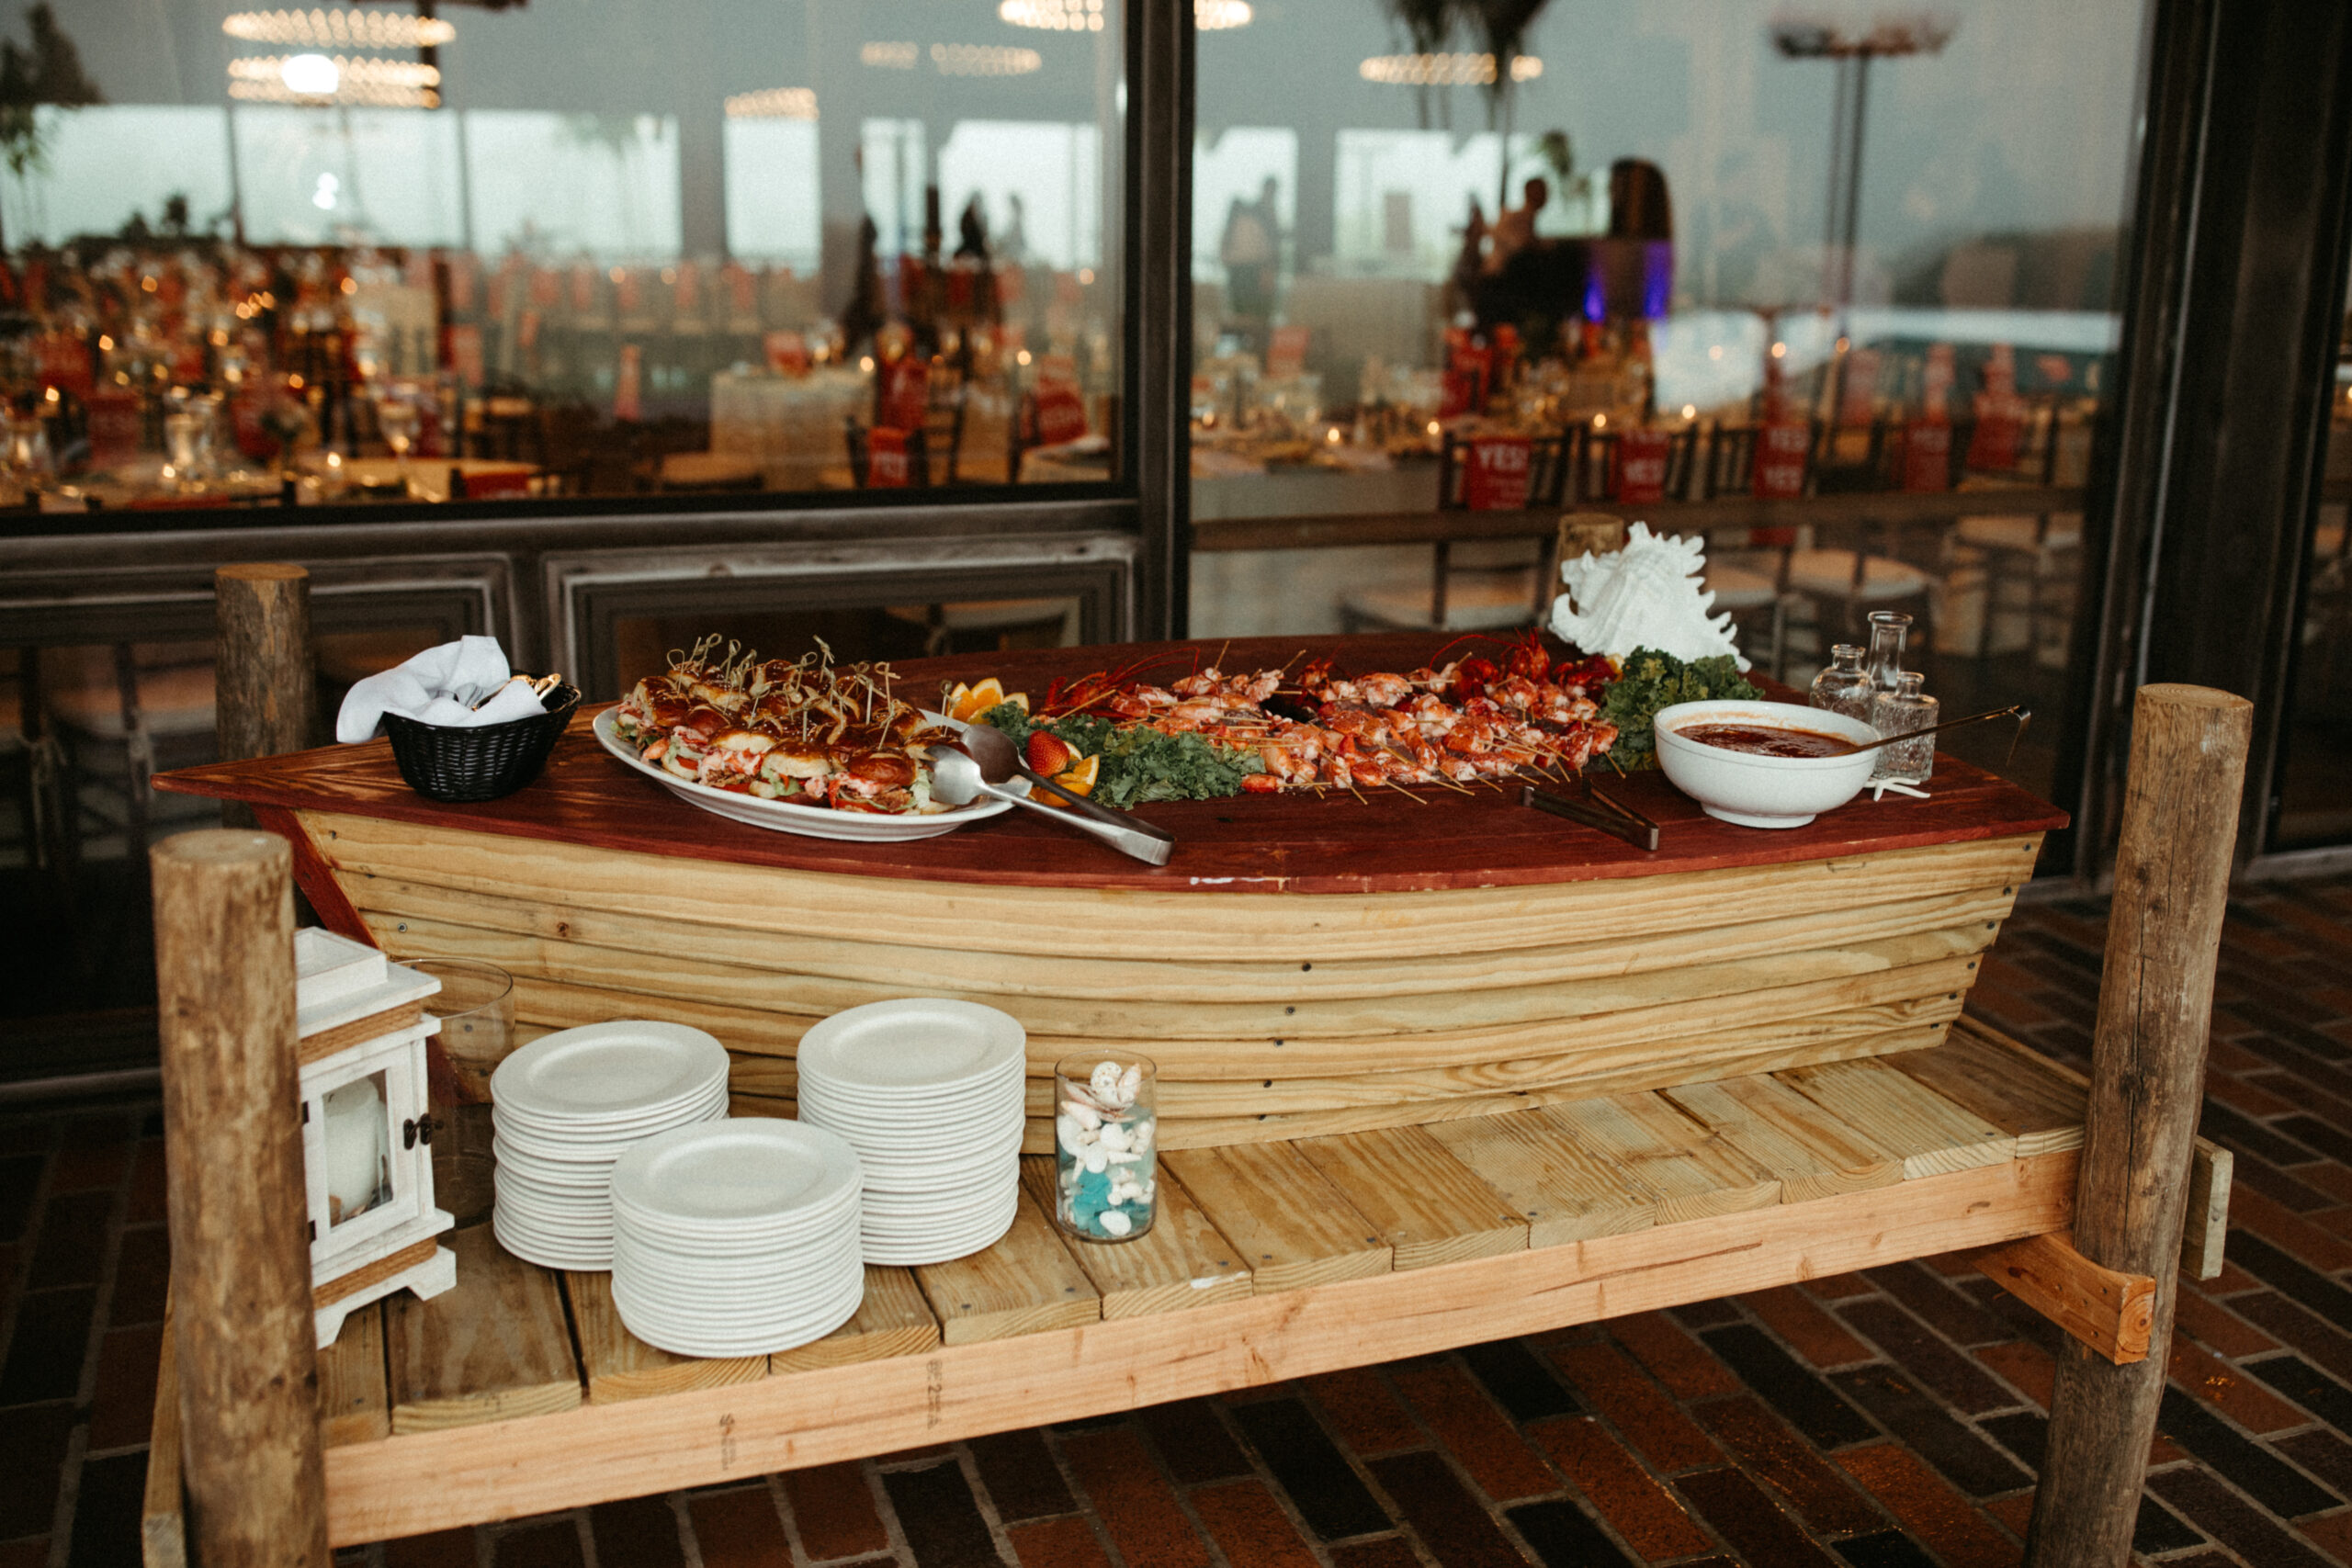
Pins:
x: 1079, y: 779
x: 970, y: 702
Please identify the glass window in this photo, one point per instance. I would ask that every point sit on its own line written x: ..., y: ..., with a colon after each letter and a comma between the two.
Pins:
x: 1735, y: 262
x: 341, y: 254
x: 2314, y: 805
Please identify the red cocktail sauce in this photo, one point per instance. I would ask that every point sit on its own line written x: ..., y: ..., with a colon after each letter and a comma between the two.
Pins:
x: 1768, y: 740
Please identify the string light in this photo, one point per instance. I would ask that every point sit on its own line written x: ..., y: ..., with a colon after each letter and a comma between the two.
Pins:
x: 888, y: 56
x: 1444, y: 70
x: 984, y: 60
x: 1220, y: 16
x: 774, y: 103
x: 339, y: 28
x: 1054, y: 15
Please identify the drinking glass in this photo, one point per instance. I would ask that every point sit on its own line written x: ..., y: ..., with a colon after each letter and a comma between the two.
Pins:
x: 1106, y: 1152
x: 475, y: 1007
x: 398, y: 419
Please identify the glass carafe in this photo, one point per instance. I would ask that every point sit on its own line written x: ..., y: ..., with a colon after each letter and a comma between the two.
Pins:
x: 1903, y: 711
x: 1845, y: 687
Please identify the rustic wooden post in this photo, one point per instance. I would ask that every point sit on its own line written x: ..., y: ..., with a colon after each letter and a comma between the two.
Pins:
x: 2156, y: 1004
x: 265, y: 695
x: 240, y: 1257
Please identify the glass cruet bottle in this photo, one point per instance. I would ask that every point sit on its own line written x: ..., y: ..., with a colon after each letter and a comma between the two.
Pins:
x: 1889, y: 628
x: 1904, y: 711
x: 1845, y: 687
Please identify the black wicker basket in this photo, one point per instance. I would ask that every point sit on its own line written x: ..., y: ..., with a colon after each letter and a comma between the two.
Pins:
x: 454, y: 763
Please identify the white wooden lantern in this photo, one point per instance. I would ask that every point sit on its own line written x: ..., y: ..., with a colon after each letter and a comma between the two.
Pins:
x: 367, y: 1133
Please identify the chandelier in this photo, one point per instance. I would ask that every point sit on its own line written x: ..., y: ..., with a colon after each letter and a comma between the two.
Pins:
x: 316, y: 79
x: 774, y: 103
x: 1444, y: 70
x: 339, y: 28
x: 1086, y: 16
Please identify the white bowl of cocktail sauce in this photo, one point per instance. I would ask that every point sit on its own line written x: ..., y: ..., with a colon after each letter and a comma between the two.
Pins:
x: 1763, y: 764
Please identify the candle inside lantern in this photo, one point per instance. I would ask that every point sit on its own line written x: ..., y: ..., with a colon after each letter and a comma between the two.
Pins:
x: 358, y: 1148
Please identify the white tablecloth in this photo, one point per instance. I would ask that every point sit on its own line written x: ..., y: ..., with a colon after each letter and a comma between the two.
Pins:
x: 793, y: 426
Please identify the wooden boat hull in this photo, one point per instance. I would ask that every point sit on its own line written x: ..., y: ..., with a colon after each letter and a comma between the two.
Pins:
x: 1272, y: 1016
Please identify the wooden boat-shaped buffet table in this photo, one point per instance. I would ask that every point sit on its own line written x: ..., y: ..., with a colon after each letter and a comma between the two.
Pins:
x: 1433, y: 1071
x: 1302, y: 965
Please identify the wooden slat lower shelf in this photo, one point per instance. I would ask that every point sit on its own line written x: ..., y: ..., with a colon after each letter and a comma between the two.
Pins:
x: 1271, y: 1261
x: 532, y: 1464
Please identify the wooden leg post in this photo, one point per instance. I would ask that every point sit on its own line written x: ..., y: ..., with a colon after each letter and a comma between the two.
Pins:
x: 265, y: 688
x: 241, y: 1259
x: 2172, y: 875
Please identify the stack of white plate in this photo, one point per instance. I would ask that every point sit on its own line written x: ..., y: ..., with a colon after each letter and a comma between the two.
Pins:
x: 736, y: 1238
x: 568, y: 1105
x: 929, y: 1093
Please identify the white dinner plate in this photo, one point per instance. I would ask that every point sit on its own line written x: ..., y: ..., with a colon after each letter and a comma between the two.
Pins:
x: 924, y: 1149
x: 550, y: 1149
x: 787, y: 817
x: 915, y: 1046
x: 787, y: 1337
x: 575, y: 1134
x: 621, y: 1071
x: 779, y: 1273
x: 547, y: 1253
x: 701, y: 1290
x: 778, y: 1240
x: 916, y: 1252
x: 737, y: 1321
x: 1001, y: 1093
x: 726, y: 1176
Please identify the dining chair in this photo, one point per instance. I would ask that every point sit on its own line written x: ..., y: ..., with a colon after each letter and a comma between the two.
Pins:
x: 861, y: 458
x: 1476, y: 585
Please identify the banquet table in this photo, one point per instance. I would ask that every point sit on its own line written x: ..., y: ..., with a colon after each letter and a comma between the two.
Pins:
x: 1435, y: 1069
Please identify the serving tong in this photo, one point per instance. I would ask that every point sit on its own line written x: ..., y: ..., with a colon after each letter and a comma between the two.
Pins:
x: 985, y: 760
x: 1598, y: 811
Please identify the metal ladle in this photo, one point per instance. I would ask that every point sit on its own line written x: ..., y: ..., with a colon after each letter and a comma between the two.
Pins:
x: 987, y: 761
x: 2023, y: 714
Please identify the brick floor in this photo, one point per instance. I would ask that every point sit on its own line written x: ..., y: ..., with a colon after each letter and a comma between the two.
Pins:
x: 1890, y: 1418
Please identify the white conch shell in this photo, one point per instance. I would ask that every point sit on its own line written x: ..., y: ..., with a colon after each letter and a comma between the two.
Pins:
x: 1646, y: 595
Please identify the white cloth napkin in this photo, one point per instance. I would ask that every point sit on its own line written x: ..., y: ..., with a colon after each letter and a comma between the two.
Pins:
x: 440, y: 685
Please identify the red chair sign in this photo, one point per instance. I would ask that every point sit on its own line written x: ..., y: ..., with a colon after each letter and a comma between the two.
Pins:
x: 2000, y: 425
x: 114, y: 428
x: 905, y: 391
x: 1286, y: 351
x: 1781, y: 448
x: 787, y: 353
x: 1926, y: 455
x: 886, y: 459
x: 1641, y: 467
x: 1466, y: 382
x: 1495, y: 474
x: 1061, y: 413
x: 63, y: 360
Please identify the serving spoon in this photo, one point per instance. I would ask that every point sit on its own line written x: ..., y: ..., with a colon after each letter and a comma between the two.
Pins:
x: 2023, y: 714
x: 985, y: 760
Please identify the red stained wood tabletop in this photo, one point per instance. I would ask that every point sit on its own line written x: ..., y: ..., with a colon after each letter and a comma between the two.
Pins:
x: 1386, y: 841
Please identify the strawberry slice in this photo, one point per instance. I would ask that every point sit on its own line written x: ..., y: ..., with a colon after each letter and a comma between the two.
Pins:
x: 1047, y: 754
